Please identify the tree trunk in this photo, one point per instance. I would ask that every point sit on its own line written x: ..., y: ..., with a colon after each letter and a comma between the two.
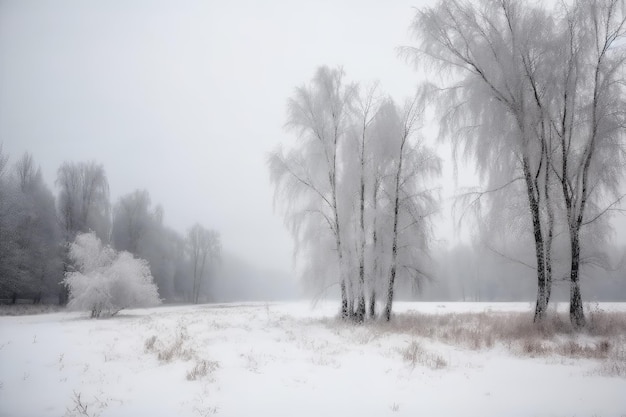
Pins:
x: 64, y: 292
x: 344, y: 301
x: 550, y: 210
x: 359, y: 314
x: 351, y: 299
x: 375, y: 270
x: 389, y: 303
x: 576, y: 312
x: 360, y: 310
x: 541, y: 306
x: 372, y: 310
x: 394, y: 244
x: 346, y: 308
x: 548, y: 280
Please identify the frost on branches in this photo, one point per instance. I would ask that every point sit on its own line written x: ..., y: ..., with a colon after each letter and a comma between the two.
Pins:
x: 105, y: 281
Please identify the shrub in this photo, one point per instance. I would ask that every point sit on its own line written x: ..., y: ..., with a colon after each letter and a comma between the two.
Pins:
x: 107, y: 282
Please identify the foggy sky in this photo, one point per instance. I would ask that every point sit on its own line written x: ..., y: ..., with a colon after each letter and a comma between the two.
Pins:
x: 186, y: 98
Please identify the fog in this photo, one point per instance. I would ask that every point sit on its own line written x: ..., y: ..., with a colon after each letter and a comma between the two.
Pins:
x: 187, y: 99
x: 184, y: 99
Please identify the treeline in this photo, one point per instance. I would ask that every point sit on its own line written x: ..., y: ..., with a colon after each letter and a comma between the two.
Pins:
x: 36, y: 229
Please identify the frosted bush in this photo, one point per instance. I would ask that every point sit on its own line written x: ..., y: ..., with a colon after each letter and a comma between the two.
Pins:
x: 107, y: 282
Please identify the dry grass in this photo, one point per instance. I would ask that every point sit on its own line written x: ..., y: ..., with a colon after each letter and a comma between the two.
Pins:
x: 615, y: 365
x: 167, y: 351
x: 603, y: 339
x: 149, y: 344
x: 201, y: 369
x: 29, y: 309
x: 483, y: 330
x: 178, y: 348
x: 415, y: 354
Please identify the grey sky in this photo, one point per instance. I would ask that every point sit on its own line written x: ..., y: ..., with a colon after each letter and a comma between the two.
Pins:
x: 185, y: 98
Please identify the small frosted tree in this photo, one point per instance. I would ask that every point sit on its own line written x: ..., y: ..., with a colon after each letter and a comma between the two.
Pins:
x: 105, y: 281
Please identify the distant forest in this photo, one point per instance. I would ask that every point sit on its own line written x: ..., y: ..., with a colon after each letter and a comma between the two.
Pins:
x: 36, y: 227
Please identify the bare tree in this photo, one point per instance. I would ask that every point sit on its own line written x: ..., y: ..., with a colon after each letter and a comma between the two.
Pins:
x: 366, y: 109
x: 309, y: 174
x: 131, y: 221
x: 410, y: 202
x: 84, y: 199
x: 354, y: 190
x: 25, y: 171
x: 538, y: 97
x: 491, y: 110
x: 588, y: 116
x: 204, y: 250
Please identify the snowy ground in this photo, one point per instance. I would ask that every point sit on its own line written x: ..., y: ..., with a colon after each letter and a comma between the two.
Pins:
x: 283, y: 360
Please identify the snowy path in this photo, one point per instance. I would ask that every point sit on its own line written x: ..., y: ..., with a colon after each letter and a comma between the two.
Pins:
x: 278, y: 360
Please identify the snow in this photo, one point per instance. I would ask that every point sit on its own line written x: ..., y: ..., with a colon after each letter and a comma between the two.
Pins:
x: 282, y: 359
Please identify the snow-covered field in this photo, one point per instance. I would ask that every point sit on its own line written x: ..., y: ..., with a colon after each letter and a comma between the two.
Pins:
x: 283, y: 360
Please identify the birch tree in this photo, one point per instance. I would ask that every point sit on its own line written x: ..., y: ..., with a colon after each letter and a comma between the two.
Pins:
x: 354, y: 191
x: 490, y: 110
x: 538, y: 97
x: 588, y: 115
x: 360, y: 135
x: 410, y: 201
x: 307, y: 175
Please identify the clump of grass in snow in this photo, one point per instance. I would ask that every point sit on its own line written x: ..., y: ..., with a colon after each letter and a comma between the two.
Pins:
x: 252, y: 363
x: 84, y: 408
x: 149, y: 344
x: 166, y: 352
x: 201, y: 369
x: 415, y: 354
x: 615, y: 364
x: 587, y: 351
x: 174, y: 349
x: 177, y: 348
x: 534, y: 347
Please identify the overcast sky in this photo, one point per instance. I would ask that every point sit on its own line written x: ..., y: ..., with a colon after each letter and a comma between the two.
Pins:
x: 186, y: 98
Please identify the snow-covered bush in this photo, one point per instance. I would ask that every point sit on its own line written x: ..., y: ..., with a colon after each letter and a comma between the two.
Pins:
x: 105, y: 281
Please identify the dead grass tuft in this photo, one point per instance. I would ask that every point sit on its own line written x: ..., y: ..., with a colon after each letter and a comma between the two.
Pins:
x: 615, y: 365
x: 168, y: 351
x: 149, y: 344
x: 578, y: 350
x: 201, y: 369
x: 534, y: 347
x: 415, y: 354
